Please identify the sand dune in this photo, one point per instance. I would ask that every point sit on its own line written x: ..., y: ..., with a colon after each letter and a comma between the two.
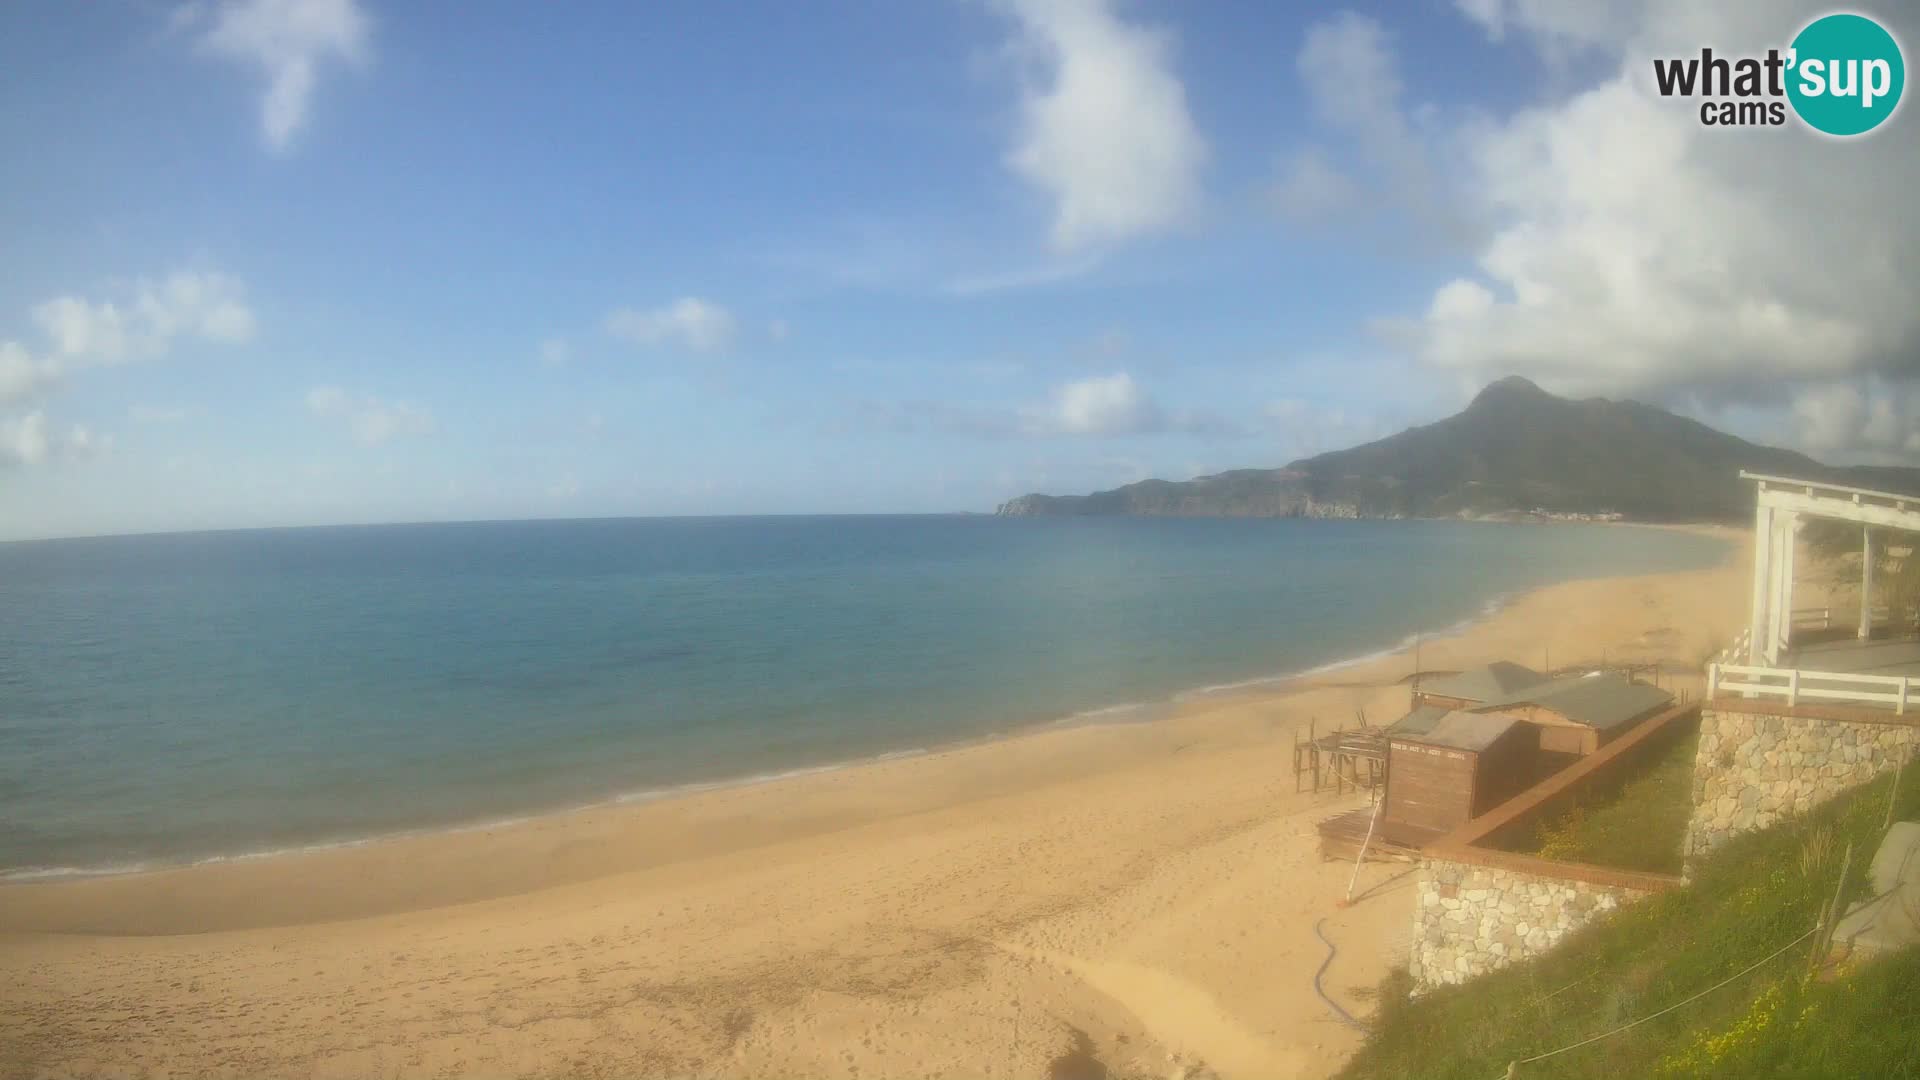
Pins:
x: 1140, y: 898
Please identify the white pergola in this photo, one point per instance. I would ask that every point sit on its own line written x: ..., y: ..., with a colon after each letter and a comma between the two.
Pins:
x: 1783, y: 502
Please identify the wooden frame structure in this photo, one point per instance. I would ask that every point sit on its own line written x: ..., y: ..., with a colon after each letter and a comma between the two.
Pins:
x: 1357, y: 757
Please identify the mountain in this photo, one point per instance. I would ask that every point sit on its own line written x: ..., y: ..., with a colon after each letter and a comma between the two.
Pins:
x: 1514, y: 449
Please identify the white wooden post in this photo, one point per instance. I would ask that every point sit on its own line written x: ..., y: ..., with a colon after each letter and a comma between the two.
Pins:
x: 1793, y: 687
x: 1790, y: 535
x: 1901, y: 705
x: 1866, y: 582
x: 1777, y: 614
x: 1713, y: 680
x: 1762, y: 578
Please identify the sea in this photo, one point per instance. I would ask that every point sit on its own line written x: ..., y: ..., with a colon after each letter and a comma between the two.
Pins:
x: 170, y: 699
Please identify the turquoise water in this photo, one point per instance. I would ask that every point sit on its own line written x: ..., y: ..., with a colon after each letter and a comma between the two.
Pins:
x: 173, y: 698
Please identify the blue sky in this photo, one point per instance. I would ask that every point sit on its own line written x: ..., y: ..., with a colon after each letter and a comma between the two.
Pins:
x: 308, y: 261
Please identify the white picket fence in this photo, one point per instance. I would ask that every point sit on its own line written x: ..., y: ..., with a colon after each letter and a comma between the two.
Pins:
x: 1797, y: 686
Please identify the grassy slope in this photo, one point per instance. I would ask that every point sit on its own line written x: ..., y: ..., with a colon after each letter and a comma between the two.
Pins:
x: 1760, y: 892
x: 1638, y: 824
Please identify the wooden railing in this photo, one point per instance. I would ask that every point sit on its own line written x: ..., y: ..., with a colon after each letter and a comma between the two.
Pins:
x: 1821, y: 618
x: 1797, y: 686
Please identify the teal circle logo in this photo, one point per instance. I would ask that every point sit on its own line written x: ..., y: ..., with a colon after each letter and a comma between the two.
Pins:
x: 1846, y: 74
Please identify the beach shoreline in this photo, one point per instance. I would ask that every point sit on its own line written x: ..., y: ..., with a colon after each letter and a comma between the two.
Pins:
x: 1132, y: 712
x: 1139, y: 882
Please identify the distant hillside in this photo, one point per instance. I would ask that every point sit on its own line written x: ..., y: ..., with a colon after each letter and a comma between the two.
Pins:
x: 1515, y: 449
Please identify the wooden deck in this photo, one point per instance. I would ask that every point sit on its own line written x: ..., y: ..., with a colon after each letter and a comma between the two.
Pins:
x: 1342, y: 834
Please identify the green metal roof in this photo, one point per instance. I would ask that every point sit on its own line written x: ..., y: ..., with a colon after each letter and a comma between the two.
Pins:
x: 1463, y: 730
x: 1495, y: 681
x: 1602, y: 700
x: 1418, y: 722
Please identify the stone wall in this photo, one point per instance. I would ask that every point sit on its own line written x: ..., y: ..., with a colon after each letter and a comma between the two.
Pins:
x: 1469, y: 920
x: 1755, y: 767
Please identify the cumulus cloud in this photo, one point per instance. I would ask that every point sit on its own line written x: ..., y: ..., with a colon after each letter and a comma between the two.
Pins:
x: 186, y: 304
x: 1638, y: 251
x: 369, y: 420
x: 144, y: 321
x: 23, y: 441
x: 23, y: 377
x: 1103, y: 405
x: 1115, y: 404
x: 694, y: 323
x: 286, y: 42
x: 1350, y: 70
x: 555, y: 352
x: 1104, y: 129
x: 29, y: 440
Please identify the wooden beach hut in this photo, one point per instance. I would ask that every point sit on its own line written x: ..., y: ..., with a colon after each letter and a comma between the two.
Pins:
x: 1445, y: 768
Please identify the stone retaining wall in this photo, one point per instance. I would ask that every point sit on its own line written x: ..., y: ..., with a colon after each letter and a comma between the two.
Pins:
x: 1469, y: 920
x: 1757, y: 765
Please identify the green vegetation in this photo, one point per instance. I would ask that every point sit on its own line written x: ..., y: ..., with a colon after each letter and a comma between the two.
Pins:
x: 1515, y: 448
x: 1637, y: 823
x: 1759, y: 893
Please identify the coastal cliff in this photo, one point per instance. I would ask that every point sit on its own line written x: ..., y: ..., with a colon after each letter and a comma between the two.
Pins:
x: 1515, y: 452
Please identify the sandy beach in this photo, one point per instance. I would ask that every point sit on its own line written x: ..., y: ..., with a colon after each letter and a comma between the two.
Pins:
x: 1140, y: 897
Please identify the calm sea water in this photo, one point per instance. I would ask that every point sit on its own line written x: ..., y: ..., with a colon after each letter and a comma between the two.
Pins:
x: 171, y: 698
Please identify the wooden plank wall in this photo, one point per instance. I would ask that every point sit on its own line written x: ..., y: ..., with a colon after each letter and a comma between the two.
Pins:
x: 1429, y: 786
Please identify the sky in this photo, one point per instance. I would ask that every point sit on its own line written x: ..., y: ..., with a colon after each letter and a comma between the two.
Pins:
x: 279, y: 262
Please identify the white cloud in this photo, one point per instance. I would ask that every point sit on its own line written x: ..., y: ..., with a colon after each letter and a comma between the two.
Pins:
x: 21, y: 376
x: 1113, y: 405
x: 1311, y: 188
x: 287, y: 42
x: 369, y: 420
x: 1636, y: 251
x: 23, y: 441
x: 1351, y: 74
x: 27, y: 441
x: 697, y: 324
x: 191, y: 304
x: 1858, y: 418
x: 145, y: 321
x: 1105, y: 133
x: 555, y: 352
x: 1052, y: 273
x: 1103, y: 405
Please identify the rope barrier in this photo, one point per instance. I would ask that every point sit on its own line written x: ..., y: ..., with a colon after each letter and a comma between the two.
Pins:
x: 1653, y: 1016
